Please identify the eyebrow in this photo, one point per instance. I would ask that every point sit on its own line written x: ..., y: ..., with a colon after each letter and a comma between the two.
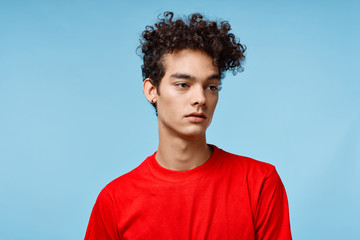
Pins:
x: 187, y: 76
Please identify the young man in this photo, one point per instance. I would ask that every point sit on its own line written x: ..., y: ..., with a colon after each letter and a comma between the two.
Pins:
x: 189, y: 189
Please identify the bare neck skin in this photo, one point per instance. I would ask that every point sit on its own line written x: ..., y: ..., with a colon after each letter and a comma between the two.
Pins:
x: 181, y: 154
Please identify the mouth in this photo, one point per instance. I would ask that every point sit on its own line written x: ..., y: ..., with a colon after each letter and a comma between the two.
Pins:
x: 196, y: 117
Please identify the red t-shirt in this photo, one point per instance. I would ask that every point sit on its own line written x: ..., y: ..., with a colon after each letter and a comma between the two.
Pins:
x: 228, y: 197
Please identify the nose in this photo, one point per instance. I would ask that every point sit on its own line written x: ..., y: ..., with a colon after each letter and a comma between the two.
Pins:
x: 198, y: 96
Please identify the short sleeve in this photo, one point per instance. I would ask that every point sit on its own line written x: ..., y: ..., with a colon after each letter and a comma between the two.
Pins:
x: 272, y: 213
x: 102, y: 223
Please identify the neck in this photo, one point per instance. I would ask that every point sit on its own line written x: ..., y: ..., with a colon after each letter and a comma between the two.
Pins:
x: 181, y: 154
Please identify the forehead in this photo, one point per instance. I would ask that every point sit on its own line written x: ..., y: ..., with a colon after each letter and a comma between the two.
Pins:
x: 189, y: 61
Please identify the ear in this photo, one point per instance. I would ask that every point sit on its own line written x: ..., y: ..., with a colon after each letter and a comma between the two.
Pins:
x: 150, y: 90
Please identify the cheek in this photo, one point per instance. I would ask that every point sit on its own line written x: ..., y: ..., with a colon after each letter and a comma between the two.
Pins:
x: 213, y: 102
x: 168, y: 105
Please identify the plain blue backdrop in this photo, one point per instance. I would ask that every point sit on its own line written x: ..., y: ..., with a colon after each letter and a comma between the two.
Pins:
x: 73, y: 115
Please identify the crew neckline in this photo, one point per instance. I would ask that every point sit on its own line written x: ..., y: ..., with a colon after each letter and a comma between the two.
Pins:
x: 174, y: 175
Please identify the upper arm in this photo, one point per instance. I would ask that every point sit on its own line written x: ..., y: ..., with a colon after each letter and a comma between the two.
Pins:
x: 272, y: 211
x: 102, y: 223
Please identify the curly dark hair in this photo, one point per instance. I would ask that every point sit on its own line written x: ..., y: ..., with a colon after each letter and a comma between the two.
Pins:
x: 195, y: 32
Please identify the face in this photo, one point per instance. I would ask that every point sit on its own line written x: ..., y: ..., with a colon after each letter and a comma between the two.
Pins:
x: 188, y: 94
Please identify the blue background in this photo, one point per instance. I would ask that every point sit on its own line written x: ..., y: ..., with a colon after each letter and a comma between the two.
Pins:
x: 73, y: 115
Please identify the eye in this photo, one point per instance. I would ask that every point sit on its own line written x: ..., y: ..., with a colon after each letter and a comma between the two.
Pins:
x: 182, y: 85
x: 214, y: 88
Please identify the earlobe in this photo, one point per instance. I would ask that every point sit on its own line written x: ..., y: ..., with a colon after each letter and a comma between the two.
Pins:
x: 149, y: 90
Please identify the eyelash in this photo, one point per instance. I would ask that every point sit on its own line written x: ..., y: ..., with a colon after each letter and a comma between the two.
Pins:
x: 214, y: 90
x: 183, y: 85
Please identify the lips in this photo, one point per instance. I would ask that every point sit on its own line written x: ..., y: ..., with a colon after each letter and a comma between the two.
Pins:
x: 195, y: 114
x: 196, y: 117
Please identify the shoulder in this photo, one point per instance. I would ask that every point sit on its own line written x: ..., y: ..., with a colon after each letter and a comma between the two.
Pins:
x: 254, y: 173
x: 260, y: 178
x: 245, y: 164
x: 128, y: 180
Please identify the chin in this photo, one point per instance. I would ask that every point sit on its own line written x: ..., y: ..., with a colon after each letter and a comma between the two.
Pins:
x: 193, y: 134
